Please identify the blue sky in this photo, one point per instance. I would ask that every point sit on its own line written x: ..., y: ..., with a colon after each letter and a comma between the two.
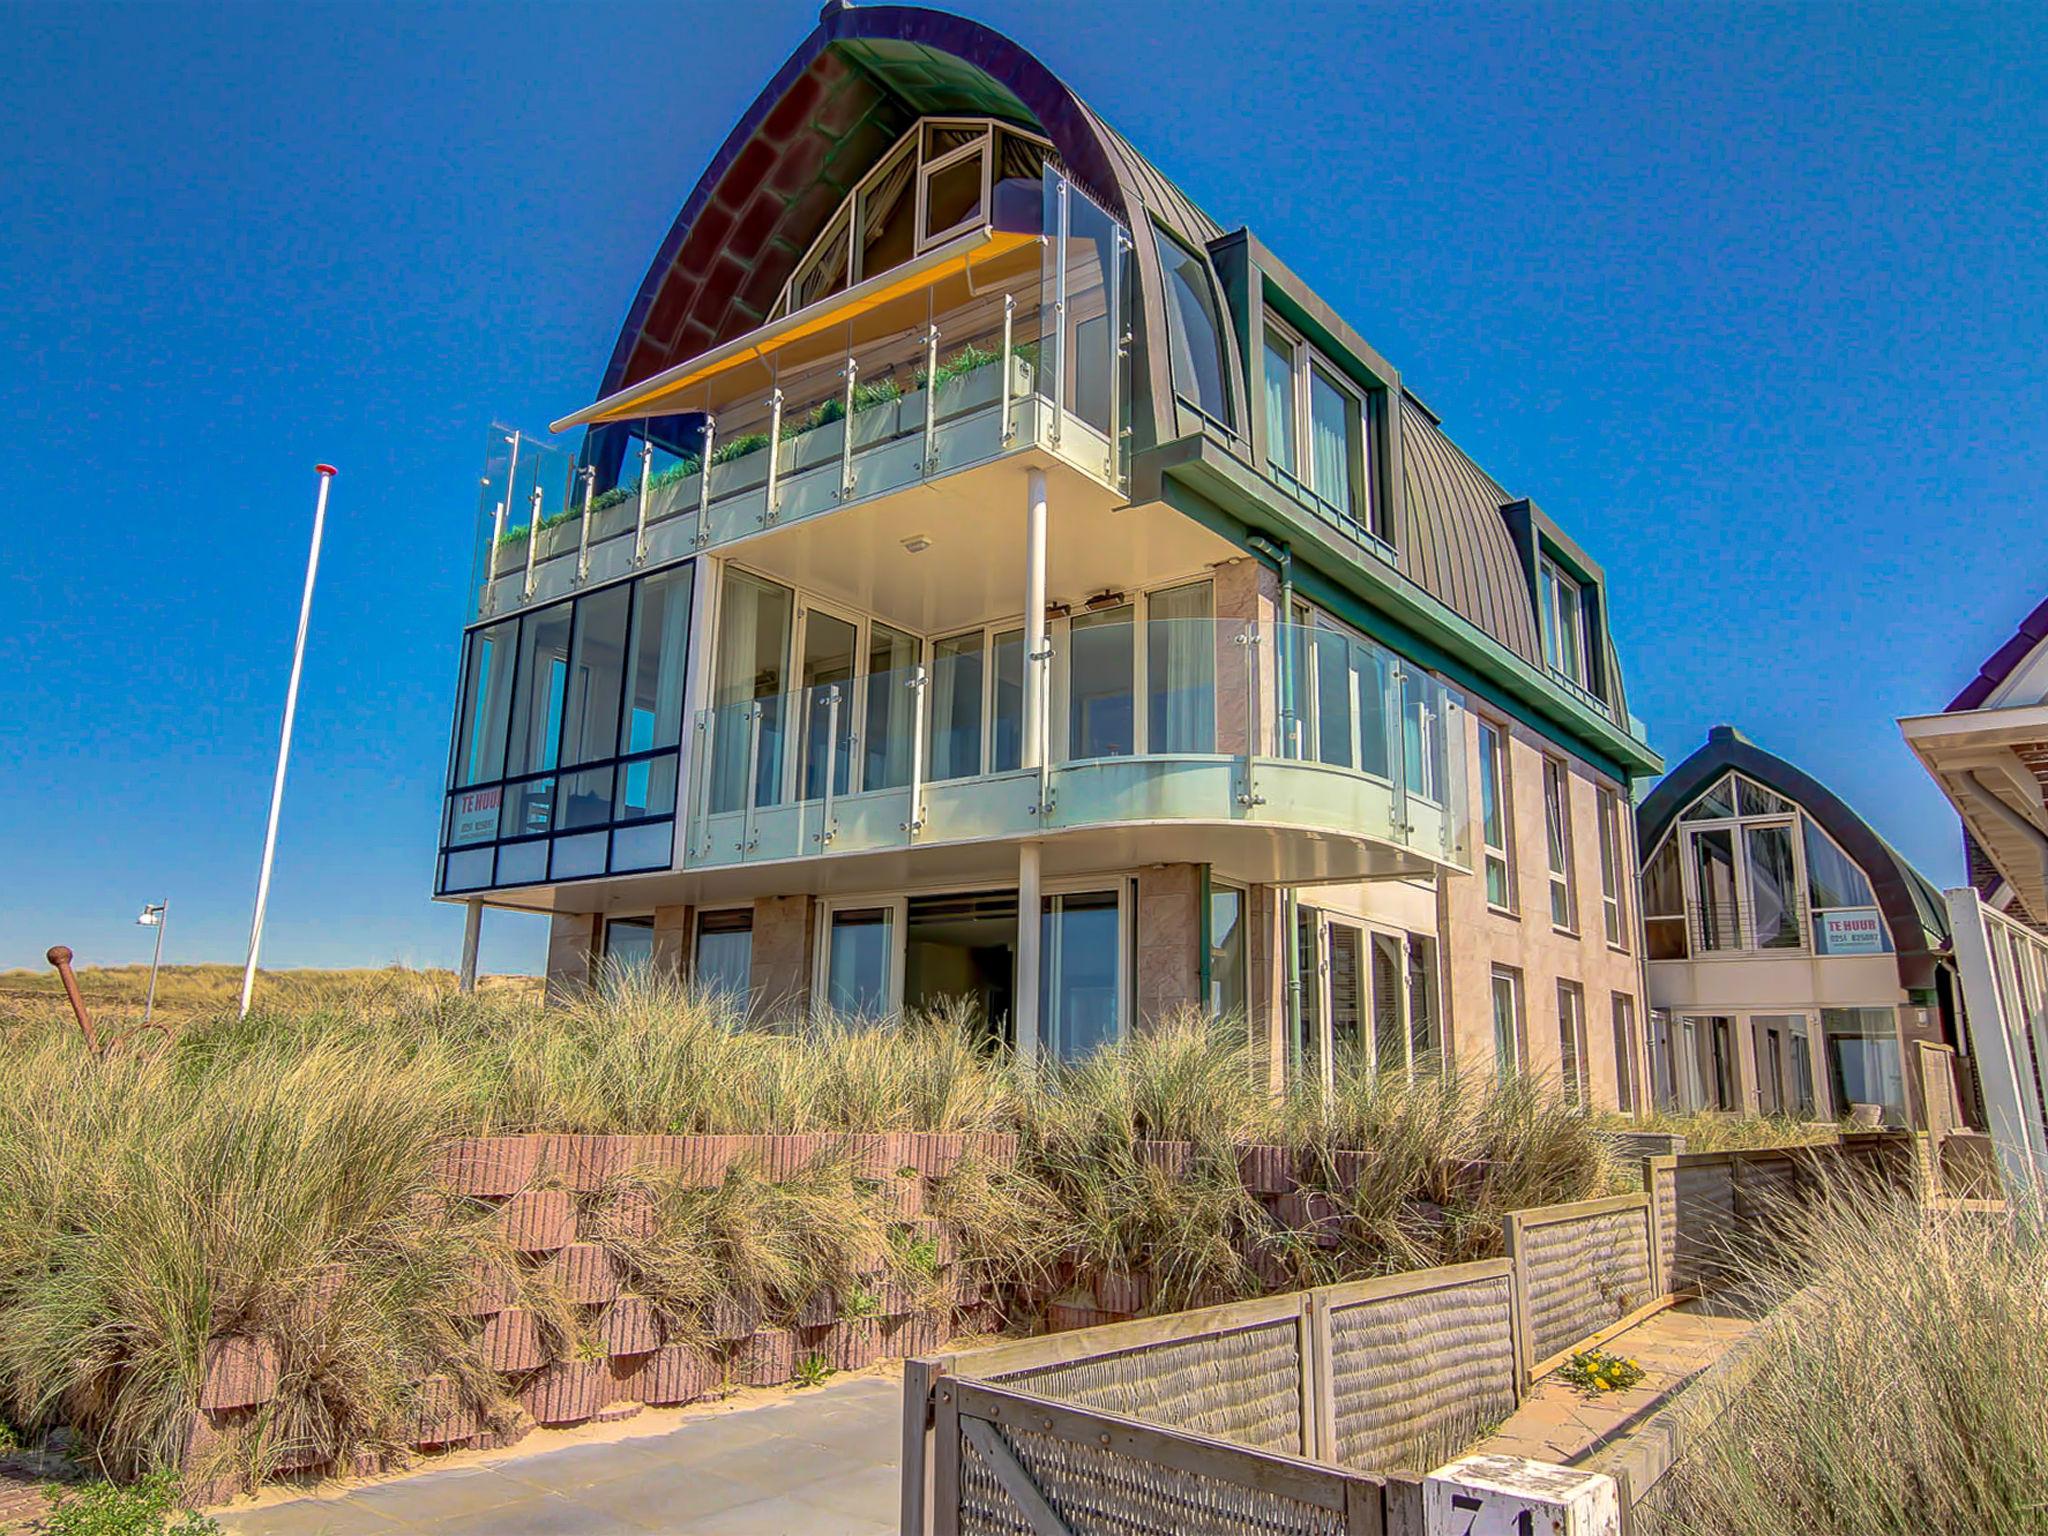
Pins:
x: 1748, y: 297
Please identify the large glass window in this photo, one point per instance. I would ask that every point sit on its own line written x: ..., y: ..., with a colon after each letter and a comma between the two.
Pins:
x: 1281, y: 429
x: 956, y: 686
x: 629, y: 943
x: 654, y: 662
x: 859, y: 961
x: 1006, y: 739
x: 1081, y: 973
x: 1773, y: 886
x: 486, y: 703
x: 1196, y: 336
x: 1664, y: 903
x: 542, y: 691
x: 724, y: 959
x: 1337, y: 442
x: 1180, y: 670
x: 1864, y: 1063
x: 885, y: 754
x: 596, y: 677
x: 1493, y: 817
x: 1319, y: 431
x: 1425, y: 1035
x: 1557, y: 829
x: 1714, y: 888
x: 754, y: 620
x: 1099, y: 684
x: 1625, y: 1052
x: 962, y: 950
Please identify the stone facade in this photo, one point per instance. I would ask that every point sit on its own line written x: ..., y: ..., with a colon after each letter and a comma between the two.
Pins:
x: 784, y: 943
x: 572, y: 952
x: 1168, y: 941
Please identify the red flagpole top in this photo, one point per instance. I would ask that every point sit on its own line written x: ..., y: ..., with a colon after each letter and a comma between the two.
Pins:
x: 325, y: 469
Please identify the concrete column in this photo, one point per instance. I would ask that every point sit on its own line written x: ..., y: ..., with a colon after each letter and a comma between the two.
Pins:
x: 472, y: 934
x: 1029, y: 927
x: 1035, y: 671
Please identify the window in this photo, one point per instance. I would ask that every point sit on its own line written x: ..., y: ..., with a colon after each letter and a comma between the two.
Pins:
x: 1494, y: 822
x: 1613, y: 881
x: 1226, y: 952
x: 1624, y: 1008
x: 860, y: 961
x: 1784, y: 1065
x: 1573, y: 1071
x: 957, y: 670
x: 1717, y: 1040
x: 962, y: 949
x: 724, y: 958
x: 486, y: 701
x: 1100, y: 665
x: 751, y: 673
x: 1562, y: 609
x: 1864, y: 1064
x: 628, y: 943
x: 1664, y: 903
x: 1081, y: 973
x: 1557, y: 834
x: 1507, y: 1020
x: 1180, y: 670
x: 1195, y: 335
x: 1424, y: 1036
x: 1319, y: 432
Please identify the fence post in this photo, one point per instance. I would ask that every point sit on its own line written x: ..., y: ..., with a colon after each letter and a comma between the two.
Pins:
x: 1518, y: 1302
x: 919, y: 1377
x: 1319, y: 1379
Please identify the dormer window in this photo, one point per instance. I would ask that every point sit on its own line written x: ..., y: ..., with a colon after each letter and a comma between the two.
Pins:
x: 1562, y: 608
x: 1319, y: 439
x: 935, y: 184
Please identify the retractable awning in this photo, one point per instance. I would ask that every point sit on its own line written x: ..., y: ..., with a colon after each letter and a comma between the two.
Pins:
x: 663, y: 394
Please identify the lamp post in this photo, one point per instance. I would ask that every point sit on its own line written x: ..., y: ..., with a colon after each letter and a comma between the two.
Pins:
x: 284, y: 742
x: 153, y: 917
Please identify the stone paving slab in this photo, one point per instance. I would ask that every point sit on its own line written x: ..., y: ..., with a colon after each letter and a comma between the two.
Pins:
x: 796, y: 1464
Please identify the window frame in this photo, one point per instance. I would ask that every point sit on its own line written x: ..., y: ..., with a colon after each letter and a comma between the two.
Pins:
x: 1622, y: 1012
x: 1216, y: 312
x: 1574, y: 1066
x: 1613, y: 877
x: 1515, y: 1061
x: 1553, y: 582
x: 1558, y: 847
x: 1307, y: 362
x: 1504, y: 799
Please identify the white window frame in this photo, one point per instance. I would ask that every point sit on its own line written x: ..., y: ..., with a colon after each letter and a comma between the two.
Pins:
x: 1305, y: 361
x: 1371, y: 935
x: 1555, y: 586
x: 984, y: 146
x: 1126, y: 949
x: 1613, y: 877
x: 1628, y: 1087
x: 1577, y: 1087
x: 1503, y: 790
x: 1558, y: 859
x: 1517, y: 1047
x: 897, y: 905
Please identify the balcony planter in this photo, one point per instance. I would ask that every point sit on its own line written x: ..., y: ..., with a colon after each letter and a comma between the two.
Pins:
x: 629, y: 1326
x: 813, y: 446
x: 763, y: 1359
x: 675, y: 1374
x: 486, y: 1166
x: 539, y: 1220
x: 568, y: 1392
x: 511, y: 1342
x: 240, y: 1373
x: 585, y: 1272
x: 744, y: 470
x: 976, y: 388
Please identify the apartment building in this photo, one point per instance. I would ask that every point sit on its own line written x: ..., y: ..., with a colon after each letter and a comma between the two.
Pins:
x: 1798, y: 965
x: 967, y: 525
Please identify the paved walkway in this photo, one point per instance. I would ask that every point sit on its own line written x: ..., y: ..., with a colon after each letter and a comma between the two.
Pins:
x: 1560, y: 1424
x: 799, y: 1464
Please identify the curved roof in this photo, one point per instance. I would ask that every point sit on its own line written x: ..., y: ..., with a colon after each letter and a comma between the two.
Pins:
x: 1913, y: 908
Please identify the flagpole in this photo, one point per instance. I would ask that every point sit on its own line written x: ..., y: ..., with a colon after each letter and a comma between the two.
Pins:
x: 284, y: 743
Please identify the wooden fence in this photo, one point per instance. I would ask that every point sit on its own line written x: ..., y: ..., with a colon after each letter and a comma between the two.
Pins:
x: 1315, y: 1411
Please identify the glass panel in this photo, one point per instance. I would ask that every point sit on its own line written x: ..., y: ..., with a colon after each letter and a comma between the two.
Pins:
x: 1279, y: 390
x: 952, y: 195
x: 828, y: 662
x: 1197, y: 341
x: 963, y: 949
x: 585, y: 800
x: 885, y: 754
x: 1092, y: 246
x: 572, y: 858
x: 649, y: 845
x: 886, y: 216
x: 1099, y: 684
x: 1007, y: 738
x: 1720, y: 1041
x: 1610, y: 864
x: 1715, y: 803
x: 522, y: 863
x: 1832, y: 880
x: 1755, y: 800
x: 655, y: 662
x: 1624, y: 1054
x: 1226, y: 952
x: 1663, y: 890
x: 629, y: 942
x: 1557, y: 838
x: 472, y: 816
x: 1863, y: 1060
x: 956, y: 707
x: 753, y: 651
x: 1773, y: 887
x: 486, y: 703
x: 1308, y: 943
x: 646, y: 788
x: 724, y: 960
x: 596, y: 673
x: 543, y: 686
x: 1180, y: 670
x: 1507, y: 1053
x: 1335, y: 438
x: 1571, y: 1064
x: 1389, y: 1040
x: 1347, y: 993
x: 1331, y: 691
x: 529, y: 806
x: 1720, y: 918
x: 1080, y: 968
x: 825, y: 273
x: 1493, y: 815
x: 1423, y: 1035
x: 466, y: 871
x: 857, y: 964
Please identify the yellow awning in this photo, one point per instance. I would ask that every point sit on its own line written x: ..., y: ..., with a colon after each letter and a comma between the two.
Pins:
x: 661, y: 395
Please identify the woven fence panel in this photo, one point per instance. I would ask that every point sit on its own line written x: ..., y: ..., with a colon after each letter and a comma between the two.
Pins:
x: 1582, y: 1274
x: 1097, y: 1491
x: 1704, y: 1213
x: 1415, y: 1374
x: 1243, y: 1386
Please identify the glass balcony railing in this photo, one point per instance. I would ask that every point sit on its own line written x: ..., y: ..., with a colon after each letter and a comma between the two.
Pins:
x: 1171, y: 720
x: 1021, y: 342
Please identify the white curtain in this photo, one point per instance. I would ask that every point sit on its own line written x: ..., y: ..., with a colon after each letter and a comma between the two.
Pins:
x: 886, y: 755
x: 1180, y: 666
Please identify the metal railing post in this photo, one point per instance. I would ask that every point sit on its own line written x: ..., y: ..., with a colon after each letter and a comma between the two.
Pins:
x: 931, y: 399
x: 1248, y: 641
x: 533, y: 540
x: 825, y: 828
x: 769, y: 510
x: 1115, y: 329
x: 850, y: 374
x: 916, y: 686
x: 589, y: 476
x: 704, y: 482
x: 1059, y: 313
x: 640, y: 525
x: 1009, y: 427
x: 701, y: 786
x: 746, y: 843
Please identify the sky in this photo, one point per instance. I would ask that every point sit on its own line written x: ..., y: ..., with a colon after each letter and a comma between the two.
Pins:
x: 1749, y: 298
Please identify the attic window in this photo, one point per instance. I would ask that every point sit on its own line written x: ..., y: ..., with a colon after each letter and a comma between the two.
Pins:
x: 1197, y: 336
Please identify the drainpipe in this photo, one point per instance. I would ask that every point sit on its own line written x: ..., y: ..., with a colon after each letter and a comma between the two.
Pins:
x: 1281, y: 558
x: 1985, y: 798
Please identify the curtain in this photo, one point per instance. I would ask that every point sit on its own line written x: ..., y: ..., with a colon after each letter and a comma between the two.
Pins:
x: 1330, y: 416
x: 753, y: 647
x: 891, y: 658
x: 956, y: 708
x: 1280, y: 404
x: 1180, y: 667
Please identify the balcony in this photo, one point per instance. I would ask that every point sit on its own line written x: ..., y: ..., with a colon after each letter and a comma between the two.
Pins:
x: 993, y: 344
x: 1193, y: 752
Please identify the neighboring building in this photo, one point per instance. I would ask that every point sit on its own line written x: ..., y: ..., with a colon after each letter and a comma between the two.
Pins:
x: 1989, y: 753
x: 1058, y: 551
x: 1796, y: 961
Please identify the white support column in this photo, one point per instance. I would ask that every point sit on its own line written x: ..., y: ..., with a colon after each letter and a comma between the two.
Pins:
x: 1029, y: 928
x: 472, y: 935
x: 1035, y: 666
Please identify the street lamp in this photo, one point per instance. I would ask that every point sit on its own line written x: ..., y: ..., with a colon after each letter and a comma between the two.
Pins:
x: 153, y: 917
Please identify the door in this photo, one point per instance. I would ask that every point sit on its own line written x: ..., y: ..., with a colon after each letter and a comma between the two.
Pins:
x: 1748, y: 885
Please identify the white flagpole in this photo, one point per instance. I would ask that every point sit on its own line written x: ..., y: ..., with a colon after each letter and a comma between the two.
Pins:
x: 284, y: 744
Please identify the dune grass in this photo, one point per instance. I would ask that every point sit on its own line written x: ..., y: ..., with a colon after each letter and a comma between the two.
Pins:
x: 1708, y: 1131
x: 267, y: 1176
x: 1903, y: 1387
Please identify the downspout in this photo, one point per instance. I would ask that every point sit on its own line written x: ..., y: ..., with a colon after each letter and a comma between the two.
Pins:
x: 1985, y: 798
x: 1281, y: 558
